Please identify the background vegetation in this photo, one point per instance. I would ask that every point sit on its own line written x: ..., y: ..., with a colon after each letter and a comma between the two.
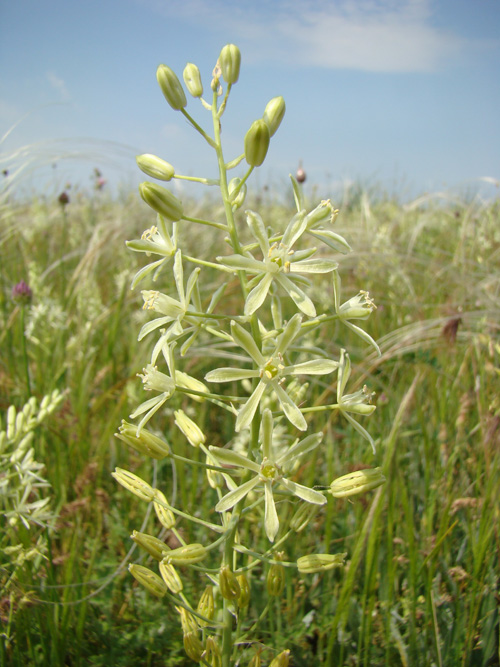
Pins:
x: 422, y: 582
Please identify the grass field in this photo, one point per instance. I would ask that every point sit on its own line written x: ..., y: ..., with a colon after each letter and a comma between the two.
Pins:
x: 422, y: 581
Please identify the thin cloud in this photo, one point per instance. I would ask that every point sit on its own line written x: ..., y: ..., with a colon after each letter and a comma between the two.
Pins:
x: 58, y: 84
x: 370, y: 35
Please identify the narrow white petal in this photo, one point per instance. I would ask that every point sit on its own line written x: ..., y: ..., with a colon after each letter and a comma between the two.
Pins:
x: 257, y: 296
x: 231, y: 498
x: 230, y: 374
x: 229, y: 457
x: 271, y: 521
x: 291, y: 411
x: 304, y: 492
x: 247, y: 412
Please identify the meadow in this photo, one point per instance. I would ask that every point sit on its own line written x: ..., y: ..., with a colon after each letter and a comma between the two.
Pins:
x: 421, y: 583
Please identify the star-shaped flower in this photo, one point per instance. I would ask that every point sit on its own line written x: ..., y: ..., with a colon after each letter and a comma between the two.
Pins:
x: 270, y: 472
x: 156, y: 241
x: 272, y: 372
x: 280, y: 263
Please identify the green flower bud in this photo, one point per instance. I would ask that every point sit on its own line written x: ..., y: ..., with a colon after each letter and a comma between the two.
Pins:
x: 146, y: 443
x: 276, y: 577
x: 244, y: 596
x: 273, y: 113
x: 236, y: 197
x: 191, y: 553
x: 188, y: 621
x: 320, y: 562
x: 356, y: 482
x: 161, y: 200
x: 151, y: 544
x: 212, y: 652
x: 228, y: 583
x: 230, y: 61
x: 171, y: 577
x: 206, y: 606
x: 256, y: 143
x: 165, y: 515
x: 192, y: 431
x: 171, y: 87
x: 358, y: 307
x: 193, y: 646
x: 281, y: 660
x: 303, y: 516
x: 192, y: 79
x: 155, y: 167
x: 214, y: 478
x: 255, y: 661
x: 148, y: 579
x: 134, y: 484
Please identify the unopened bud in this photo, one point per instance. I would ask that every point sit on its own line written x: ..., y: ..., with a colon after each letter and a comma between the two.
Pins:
x: 164, y: 514
x: 212, y: 652
x: 161, y: 200
x: 192, y: 79
x: 191, y: 430
x: 148, y: 579
x: 188, y: 621
x: 244, y: 596
x: 230, y: 61
x: 146, y: 443
x: 276, y: 577
x: 214, y: 478
x: 320, y: 562
x: 206, y: 606
x: 193, y: 646
x: 281, y: 660
x: 171, y: 87
x: 171, y: 577
x: 303, y: 516
x: 134, y: 484
x: 236, y: 197
x: 273, y: 113
x: 228, y: 583
x: 356, y: 482
x: 256, y: 143
x: 154, y: 546
x: 191, y: 553
x: 155, y: 167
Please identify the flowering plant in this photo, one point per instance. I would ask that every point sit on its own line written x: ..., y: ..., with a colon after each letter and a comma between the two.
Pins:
x: 257, y: 472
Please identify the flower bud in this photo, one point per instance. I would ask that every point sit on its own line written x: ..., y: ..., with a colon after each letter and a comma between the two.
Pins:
x: 161, y: 200
x: 206, y: 606
x: 273, y: 113
x: 358, y: 307
x: 256, y: 143
x: 236, y: 197
x: 147, y: 443
x: 148, y: 579
x: 212, y: 653
x: 188, y: 621
x: 155, y: 167
x: 244, y: 596
x: 193, y: 646
x: 165, y: 515
x: 171, y: 577
x: 192, y: 431
x: 134, y: 484
x: 191, y: 553
x: 320, y: 562
x: 228, y: 583
x: 230, y: 60
x: 303, y: 516
x: 192, y: 79
x: 356, y: 482
x: 281, y: 660
x: 214, y: 478
x: 276, y: 578
x: 154, y: 546
x: 171, y: 87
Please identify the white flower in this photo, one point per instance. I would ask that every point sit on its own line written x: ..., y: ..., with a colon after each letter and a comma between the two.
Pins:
x: 272, y: 372
x: 280, y: 262
x: 157, y: 241
x: 269, y: 472
x: 358, y: 307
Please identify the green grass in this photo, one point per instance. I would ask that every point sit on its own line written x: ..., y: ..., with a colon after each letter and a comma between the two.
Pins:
x: 421, y: 585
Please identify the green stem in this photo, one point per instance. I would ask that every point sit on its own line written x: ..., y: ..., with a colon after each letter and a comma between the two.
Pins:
x: 199, y: 129
x: 208, y: 223
x: 197, y: 179
x: 25, y: 352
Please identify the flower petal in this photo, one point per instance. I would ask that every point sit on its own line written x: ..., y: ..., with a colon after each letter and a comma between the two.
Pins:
x: 231, y: 498
x: 291, y: 411
x: 300, y: 298
x: 314, y: 266
x: 230, y: 374
x: 304, y: 492
x: 312, y: 367
x: 245, y: 340
x: 300, y: 448
x: 271, y: 521
x: 295, y: 229
x: 289, y: 334
x: 257, y: 296
x: 242, y: 263
x: 229, y: 457
x: 247, y: 412
x: 258, y: 229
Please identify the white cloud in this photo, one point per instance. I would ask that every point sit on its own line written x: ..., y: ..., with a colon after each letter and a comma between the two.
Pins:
x: 371, y: 35
x: 59, y: 85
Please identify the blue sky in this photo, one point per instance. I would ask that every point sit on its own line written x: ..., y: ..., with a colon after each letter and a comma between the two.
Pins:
x: 401, y: 93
